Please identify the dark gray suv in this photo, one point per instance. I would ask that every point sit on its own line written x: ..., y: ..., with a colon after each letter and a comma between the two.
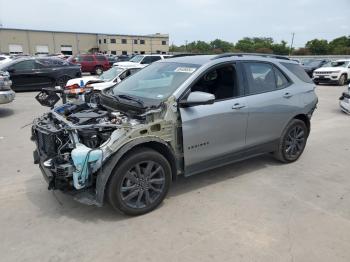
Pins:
x: 179, y: 116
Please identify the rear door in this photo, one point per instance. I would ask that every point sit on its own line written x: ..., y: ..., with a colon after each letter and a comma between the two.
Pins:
x: 212, y: 134
x: 271, y: 101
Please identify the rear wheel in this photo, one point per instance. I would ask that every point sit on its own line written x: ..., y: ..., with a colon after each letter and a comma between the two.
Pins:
x: 292, y: 142
x: 342, y: 80
x: 98, y: 70
x: 62, y: 81
x: 140, y: 183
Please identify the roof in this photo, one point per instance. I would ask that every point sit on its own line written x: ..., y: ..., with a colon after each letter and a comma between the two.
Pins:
x: 157, y: 35
x: 203, y: 59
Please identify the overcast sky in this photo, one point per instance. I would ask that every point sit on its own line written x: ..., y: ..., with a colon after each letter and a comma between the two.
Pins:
x: 184, y: 20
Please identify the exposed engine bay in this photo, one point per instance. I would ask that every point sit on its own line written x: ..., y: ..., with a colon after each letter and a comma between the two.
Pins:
x: 70, y: 141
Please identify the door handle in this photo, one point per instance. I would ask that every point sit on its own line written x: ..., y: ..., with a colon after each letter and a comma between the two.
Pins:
x: 238, y: 106
x: 287, y: 95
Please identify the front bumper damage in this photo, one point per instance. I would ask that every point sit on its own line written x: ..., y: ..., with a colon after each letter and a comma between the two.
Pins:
x: 71, y: 154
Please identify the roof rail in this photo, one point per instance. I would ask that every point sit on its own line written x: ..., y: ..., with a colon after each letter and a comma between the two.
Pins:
x: 187, y: 54
x: 250, y: 54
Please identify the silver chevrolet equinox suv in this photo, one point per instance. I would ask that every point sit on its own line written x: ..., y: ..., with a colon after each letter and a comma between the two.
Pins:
x: 179, y: 116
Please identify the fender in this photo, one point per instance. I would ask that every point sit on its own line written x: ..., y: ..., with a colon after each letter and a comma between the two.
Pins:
x: 106, y: 170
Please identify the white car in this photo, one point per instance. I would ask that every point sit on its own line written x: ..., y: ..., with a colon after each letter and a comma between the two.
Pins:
x: 109, y: 78
x: 4, y: 59
x: 344, y: 102
x: 7, y: 95
x: 337, y: 72
x: 98, y: 83
x: 141, y: 60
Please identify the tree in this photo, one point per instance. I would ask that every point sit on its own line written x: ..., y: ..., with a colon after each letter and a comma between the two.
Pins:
x: 224, y: 46
x: 245, y: 45
x: 340, y: 45
x: 280, y: 49
x: 318, y: 46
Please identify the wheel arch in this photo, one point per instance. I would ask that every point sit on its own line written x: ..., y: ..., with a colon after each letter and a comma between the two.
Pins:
x: 305, y: 119
x: 155, y: 143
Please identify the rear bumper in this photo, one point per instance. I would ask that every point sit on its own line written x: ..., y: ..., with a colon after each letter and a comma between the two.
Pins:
x: 7, y: 96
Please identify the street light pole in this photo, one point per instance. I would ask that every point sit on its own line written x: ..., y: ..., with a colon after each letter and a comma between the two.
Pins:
x: 291, y: 44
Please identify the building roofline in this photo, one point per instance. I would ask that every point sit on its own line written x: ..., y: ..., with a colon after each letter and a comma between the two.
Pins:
x: 88, y: 33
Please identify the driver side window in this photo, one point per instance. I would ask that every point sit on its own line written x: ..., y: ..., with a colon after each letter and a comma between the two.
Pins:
x: 221, y: 82
x: 24, y: 65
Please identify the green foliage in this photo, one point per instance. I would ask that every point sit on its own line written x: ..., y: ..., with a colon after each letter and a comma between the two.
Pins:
x: 317, y: 46
x: 338, y: 46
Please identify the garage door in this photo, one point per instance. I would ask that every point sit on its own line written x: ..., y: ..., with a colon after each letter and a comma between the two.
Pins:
x: 42, y: 49
x: 15, y: 49
x: 66, y: 49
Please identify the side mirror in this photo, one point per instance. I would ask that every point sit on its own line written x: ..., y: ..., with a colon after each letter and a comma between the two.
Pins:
x: 197, y: 98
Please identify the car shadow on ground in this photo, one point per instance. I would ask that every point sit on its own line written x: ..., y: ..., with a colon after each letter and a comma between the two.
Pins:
x: 56, y: 204
x: 5, y: 112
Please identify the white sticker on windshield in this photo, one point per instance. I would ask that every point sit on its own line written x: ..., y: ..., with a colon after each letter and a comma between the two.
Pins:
x: 188, y: 70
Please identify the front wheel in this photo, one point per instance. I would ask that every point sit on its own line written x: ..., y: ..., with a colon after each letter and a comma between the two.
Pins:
x: 93, y: 97
x: 140, y: 183
x: 342, y: 80
x: 292, y: 142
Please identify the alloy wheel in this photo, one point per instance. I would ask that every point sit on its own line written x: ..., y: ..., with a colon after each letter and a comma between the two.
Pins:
x: 295, y: 142
x: 143, y: 184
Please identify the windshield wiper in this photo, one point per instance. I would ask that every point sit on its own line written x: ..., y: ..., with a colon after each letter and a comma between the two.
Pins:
x: 131, y: 98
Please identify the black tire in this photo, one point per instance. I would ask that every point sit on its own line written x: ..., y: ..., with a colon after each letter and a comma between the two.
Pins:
x: 316, y: 82
x: 342, y: 80
x: 140, y: 182
x: 93, y: 97
x: 292, y: 142
x: 62, y: 81
x: 98, y: 70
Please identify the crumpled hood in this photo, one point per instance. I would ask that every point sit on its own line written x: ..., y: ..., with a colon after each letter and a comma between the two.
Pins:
x: 77, y: 80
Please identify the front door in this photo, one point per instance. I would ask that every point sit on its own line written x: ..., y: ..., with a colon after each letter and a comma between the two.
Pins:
x: 214, y: 133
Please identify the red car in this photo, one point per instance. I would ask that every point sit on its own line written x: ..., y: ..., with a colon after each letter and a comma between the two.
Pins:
x: 91, y: 63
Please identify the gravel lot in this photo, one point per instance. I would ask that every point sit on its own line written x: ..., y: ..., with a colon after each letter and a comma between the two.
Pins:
x: 256, y: 210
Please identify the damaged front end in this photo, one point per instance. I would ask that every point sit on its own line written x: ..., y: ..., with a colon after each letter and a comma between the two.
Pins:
x: 75, y: 140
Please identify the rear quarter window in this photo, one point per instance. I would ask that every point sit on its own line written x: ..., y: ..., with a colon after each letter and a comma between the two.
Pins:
x: 298, y: 71
x: 101, y: 58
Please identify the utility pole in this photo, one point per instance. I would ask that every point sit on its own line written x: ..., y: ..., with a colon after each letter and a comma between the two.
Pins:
x: 291, y: 44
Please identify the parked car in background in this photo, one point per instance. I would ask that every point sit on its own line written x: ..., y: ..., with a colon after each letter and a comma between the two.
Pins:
x: 91, y: 63
x: 337, y: 72
x: 312, y: 64
x: 98, y: 83
x: 7, y: 95
x: 179, y: 116
x: 344, y: 101
x: 142, y: 60
x: 5, y: 59
x: 123, y: 58
x: 36, y: 73
x: 112, y: 59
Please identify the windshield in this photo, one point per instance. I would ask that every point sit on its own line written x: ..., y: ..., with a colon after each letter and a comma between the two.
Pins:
x: 337, y: 64
x: 312, y: 63
x: 156, y: 81
x: 110, y: 74
x: 137, y: 59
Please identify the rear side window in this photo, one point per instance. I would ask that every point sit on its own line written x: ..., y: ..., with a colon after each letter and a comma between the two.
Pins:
x: 87, y: 58
x: 281, y: 80
x: 100, y: 58
x: 298, y: 71
x: 260, y: 77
